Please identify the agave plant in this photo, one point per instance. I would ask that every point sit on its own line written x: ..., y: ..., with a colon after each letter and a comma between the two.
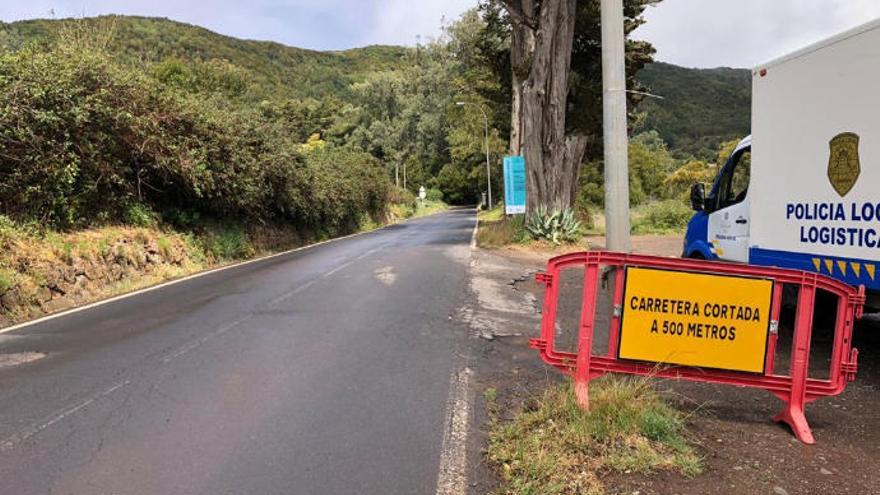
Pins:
x: 556, y: 227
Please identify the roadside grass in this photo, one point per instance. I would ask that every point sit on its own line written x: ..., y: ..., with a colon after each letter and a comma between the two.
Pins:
x: 494, y: 215
x: 502, y: 232
x: 553, y: 447
x: 403, y: 211
x: 428, y: 207
x: 670, y: 216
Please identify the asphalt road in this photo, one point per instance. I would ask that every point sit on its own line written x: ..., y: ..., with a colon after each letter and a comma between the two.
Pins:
x: 321, y: 371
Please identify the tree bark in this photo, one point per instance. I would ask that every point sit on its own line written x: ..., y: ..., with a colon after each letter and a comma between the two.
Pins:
x: 541, y: 44
x: 522, y: 46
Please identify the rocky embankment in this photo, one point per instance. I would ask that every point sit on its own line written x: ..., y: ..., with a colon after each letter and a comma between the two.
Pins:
x: 44, y: 274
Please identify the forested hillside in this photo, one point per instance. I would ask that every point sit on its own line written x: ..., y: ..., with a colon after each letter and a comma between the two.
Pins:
x: 274, y: 70
x: 700, y: 109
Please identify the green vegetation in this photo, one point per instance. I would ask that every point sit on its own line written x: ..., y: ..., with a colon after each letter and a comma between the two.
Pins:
x: 503, y: 232
x: 556, y: 227
x: 700, y: 109
x: 554, y: 447
x: 84, y: 141
x: 239, y: 114
x: 659, y: 184
x: 662, y: 217
x: 498, y: 230
x: 193, y: 57
x: 493, y: 215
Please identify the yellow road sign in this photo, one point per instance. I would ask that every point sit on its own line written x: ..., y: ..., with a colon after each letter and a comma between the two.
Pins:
x: 695, y: 319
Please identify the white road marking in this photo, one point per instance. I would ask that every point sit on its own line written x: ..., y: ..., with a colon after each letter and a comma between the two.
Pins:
x: 283, y: 297
x: 340, y: 267
x: 11, y: 442
x: 199, y: 342
x: 452, y: 475
x: 371, y: 251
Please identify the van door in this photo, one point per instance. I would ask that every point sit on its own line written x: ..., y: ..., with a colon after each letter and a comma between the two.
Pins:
x: 729, y: 221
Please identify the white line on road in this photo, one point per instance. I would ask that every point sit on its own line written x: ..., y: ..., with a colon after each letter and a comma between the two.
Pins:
x: 452, y: 475
x: 199, y: 342
x: 11, y: 442
x: 340, y: 267
x: 287, y: 295
x: 349, y: 263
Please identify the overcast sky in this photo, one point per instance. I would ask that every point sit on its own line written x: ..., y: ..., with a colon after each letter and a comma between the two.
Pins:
x: 694, y: 33
x: 745, y: 33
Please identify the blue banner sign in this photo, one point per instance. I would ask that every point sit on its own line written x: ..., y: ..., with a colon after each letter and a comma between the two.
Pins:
x: 514, y: 185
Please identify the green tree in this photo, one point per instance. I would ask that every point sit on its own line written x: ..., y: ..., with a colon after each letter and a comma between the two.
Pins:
x: 555, y: 55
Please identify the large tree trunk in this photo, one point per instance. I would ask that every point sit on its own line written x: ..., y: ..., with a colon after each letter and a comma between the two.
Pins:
x: 541, y: 60
x: 522, y: 46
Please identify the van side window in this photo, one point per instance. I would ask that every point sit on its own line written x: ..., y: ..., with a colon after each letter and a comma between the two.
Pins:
x: 734, y: 183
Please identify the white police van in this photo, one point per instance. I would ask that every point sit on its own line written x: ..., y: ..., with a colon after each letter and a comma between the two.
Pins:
x: 804, y: 190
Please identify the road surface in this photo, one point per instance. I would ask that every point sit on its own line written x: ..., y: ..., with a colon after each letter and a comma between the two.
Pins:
x: 325, y: 370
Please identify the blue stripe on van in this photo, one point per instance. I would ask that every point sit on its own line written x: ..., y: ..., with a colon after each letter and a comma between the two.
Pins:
x: 850, y: 270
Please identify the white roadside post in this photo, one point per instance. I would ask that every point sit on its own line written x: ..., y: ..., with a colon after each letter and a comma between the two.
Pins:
x: 617, y: 228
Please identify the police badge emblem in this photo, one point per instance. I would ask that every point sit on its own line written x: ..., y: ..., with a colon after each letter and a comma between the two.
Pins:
x: 843, y: 163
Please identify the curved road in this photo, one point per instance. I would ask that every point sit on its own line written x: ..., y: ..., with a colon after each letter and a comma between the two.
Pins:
x: 325, y: 370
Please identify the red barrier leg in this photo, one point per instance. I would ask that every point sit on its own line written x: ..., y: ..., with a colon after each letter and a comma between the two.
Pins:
x: 793, y: 414
x: 794, y: 417
x: 585, y: 336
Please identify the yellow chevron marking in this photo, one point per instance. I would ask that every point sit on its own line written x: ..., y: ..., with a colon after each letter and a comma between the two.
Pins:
x: 818, y: 264
x: 842, y: 266
x: 719, y: 251
x: 857, y: 269
x: 870, y: 269
x: 829, y: 264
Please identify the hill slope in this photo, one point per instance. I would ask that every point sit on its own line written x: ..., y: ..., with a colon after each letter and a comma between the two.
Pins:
x: 278, y: 70
x: 701, y: 107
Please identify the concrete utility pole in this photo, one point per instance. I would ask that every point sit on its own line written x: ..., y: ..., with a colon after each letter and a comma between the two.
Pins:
x: 488, y: 167
x: 614, y: 124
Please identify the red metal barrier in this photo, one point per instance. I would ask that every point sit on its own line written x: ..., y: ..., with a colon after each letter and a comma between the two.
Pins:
x: 795, y: 389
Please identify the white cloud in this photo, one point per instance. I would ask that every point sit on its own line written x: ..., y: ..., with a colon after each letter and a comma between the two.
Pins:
x: 400, y: 21
x: 745, y: 33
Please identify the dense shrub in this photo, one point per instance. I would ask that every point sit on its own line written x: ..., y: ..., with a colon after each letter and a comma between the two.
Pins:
x: 338, y: 185
x: 434, y: 194
x: 86, y: 141
x: 402, y: 196
x: 661, y: 217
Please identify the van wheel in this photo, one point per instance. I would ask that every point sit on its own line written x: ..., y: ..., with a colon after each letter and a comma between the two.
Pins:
x: 696, y: 255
